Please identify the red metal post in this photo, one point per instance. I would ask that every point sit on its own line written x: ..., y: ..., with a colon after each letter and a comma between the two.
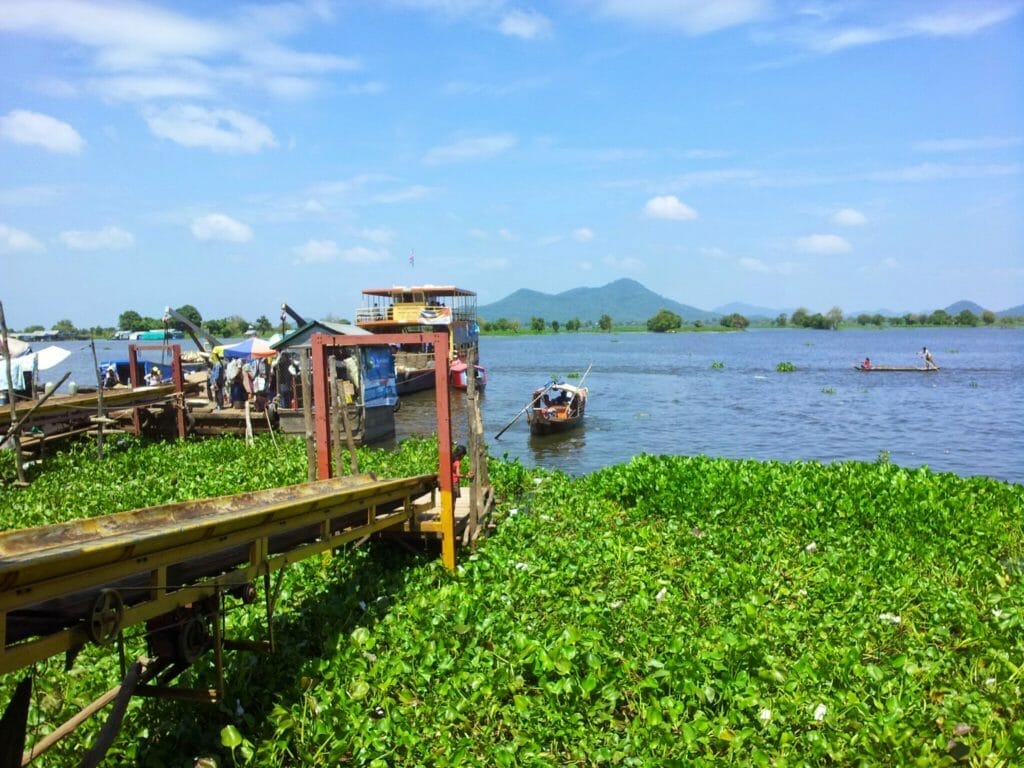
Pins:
x: 442, y: 377
x: 322, y: 403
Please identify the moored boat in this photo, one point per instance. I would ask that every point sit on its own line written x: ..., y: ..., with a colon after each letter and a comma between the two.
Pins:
x: 556, y: 407
x: 416, y: 309
x: 894, y: 368
x: 460, y: 375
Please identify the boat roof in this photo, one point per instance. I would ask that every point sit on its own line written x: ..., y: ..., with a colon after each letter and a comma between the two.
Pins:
x: 570, y: 388
x: 429, y: 290
x: 303, y: 337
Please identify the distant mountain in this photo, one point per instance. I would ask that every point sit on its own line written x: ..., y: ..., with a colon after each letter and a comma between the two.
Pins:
x: 625, y: 301
x: 1017, y: 311
x: 957, y: 307
x: 749, y: 311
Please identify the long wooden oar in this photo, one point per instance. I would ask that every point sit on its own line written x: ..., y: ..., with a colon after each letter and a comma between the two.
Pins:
x: 526, y: 407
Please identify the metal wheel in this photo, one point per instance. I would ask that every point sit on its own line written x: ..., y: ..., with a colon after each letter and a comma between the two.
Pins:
x: 193, y: 638
x: 106, y: 617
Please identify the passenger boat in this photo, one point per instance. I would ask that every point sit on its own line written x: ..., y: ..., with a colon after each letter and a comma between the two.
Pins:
x: 418, y: 309
x: 556, y: 407
x: 894, y: 368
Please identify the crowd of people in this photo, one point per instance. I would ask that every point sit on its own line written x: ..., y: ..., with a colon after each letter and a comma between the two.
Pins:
x: 233, y: 382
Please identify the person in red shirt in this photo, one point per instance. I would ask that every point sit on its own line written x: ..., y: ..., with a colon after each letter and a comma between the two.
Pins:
x: 457, y: 456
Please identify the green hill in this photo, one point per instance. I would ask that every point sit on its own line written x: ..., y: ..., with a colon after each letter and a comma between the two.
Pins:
x: 625, y: 301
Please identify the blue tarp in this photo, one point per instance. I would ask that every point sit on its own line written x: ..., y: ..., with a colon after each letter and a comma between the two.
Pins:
x: 379, y: 387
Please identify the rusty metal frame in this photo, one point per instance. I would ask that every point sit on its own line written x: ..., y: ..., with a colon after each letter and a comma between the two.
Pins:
x: 321, y: 345
x: 177, y: 376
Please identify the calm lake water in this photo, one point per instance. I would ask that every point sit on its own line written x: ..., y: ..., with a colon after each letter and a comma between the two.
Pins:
x: 657, y: 393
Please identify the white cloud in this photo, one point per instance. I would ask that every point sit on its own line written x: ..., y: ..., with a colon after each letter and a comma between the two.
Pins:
x: 24, y: 127
x: 217, y: 226
x: 756, y: 265
x: 491, y: 263
x: 506, y: 235
x: 470, y: 148
x: 34, y: 194
x: 316, y: 251
x: 669, y: 207
x: 241, y: 45
x: 105, y: 239
x: 823, y: 244
x: 961, y: 20
x: 16, y: 241
x: 583, y: 234
x: 326, y: 251
x: 694, y: 17
x: 221, y: 130
x: 403, y: 194
x: 626, y: 263
x: 849, y: 217
x: 369, y: 88
x: 967, y: 145
x: 528, y: 25
x: 145, y: 87
x: 937, y: 171
x: 130, y: 30
x: 380, y: 236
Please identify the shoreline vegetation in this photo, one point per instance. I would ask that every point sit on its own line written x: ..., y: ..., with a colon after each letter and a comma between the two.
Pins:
x: 668, y: 611
x: 664, y: 321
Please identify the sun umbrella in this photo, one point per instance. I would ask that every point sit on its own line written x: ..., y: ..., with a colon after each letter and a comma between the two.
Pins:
x: 249, y: 349
x: 16, y: 348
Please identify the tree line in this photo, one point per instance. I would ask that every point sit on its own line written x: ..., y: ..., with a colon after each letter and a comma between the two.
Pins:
x: 131, y: 320
x: 665, y: 320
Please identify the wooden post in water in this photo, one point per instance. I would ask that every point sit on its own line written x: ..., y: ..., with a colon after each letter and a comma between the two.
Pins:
x: 475, y: 454
x: 353, y: 456
x: 337, y: 403
x: 307, y: 414
x: 100, y: 419
x: 16, y: 437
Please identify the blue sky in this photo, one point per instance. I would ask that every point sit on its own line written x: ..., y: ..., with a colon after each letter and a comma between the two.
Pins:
x: 864, y: 155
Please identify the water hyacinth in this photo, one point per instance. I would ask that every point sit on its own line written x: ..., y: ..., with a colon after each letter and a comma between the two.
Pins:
x: 768, y: 656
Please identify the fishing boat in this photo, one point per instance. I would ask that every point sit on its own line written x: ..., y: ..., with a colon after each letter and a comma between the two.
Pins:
x: 418, y: 309
x: 459, y: 372
x: 893, y: 368
x: 556, y: 407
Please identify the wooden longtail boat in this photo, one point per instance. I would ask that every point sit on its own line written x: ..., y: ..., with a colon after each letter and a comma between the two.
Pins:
x: 556, y: 407
x: 894, y: 368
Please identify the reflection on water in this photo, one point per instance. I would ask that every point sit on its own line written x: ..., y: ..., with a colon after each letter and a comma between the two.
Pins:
x: 666, y: 394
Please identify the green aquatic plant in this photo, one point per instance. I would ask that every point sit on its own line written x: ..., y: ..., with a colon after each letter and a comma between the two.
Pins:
x: 626, y: 617
x: 717, y: 365
x: 828, y: 390
x: 785, y: 367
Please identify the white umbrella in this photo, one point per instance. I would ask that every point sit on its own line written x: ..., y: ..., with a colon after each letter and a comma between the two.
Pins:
x: 50, y: 357
x: 16, y: 348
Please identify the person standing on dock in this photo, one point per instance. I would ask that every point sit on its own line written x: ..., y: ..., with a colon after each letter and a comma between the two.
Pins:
x: 457, y: 456
x: 216, y: 381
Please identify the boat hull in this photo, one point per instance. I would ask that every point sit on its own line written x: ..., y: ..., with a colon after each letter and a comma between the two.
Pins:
x: 541, y: 425
x: 893, y: 369
x: 460, y: 377
x: 558, y: 407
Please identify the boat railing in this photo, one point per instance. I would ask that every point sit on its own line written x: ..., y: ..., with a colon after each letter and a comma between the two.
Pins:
x: 372, y: 314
